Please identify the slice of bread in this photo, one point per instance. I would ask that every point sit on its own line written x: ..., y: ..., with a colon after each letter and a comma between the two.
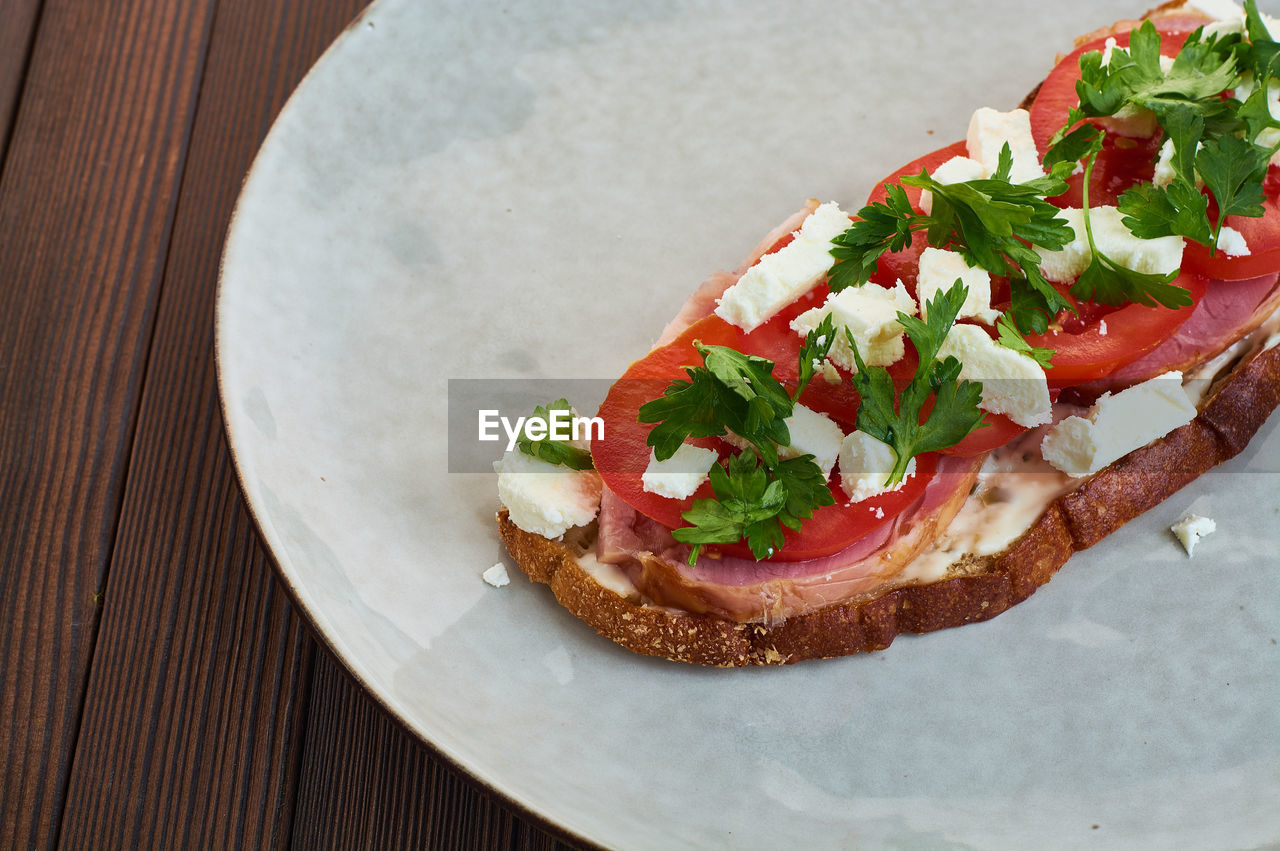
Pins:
x: 974, y: 588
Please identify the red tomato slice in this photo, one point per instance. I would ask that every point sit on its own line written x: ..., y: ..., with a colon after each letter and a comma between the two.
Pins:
x: 1088, y: 349
x: 1262, y: 235
x: 622, y: 455
x: 1122, y: 161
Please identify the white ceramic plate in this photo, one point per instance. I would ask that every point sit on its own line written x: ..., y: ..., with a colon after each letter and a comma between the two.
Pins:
x: 478, y: 189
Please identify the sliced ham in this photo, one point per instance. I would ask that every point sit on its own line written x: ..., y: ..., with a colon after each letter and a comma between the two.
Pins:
x: 745, y: 590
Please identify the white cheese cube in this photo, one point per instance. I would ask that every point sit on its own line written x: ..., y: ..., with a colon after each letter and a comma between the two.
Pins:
x: 544, y: 498
x: 939, y: 269
x: 870, y: 313
x: 497, y: 575
x: 989, y: 130
x: 1232, y: 243
x: 1164, y: 172
x: 1190, y: 529
x: 1117, y: 425
x: 1013, y: 383
x: 812, y: 433
x: 954, y: 170
x: 681, y: 474
x: 1113, y: 239
x: 865, y: 465
x: 778, y: 279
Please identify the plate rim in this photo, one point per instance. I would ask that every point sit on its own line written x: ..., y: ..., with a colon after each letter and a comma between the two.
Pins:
x: 308, y: 617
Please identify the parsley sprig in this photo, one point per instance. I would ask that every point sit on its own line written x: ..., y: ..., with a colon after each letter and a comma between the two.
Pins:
x: 758, y: 493
x: 554, y: 451
x: 754, y: 501
x: 992, y: 222
x: 1213, y: 137
x: 1107, y: 282
x: 896, y: 420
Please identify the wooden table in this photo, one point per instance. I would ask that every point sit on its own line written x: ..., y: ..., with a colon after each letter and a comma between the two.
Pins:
x: 159, y: 689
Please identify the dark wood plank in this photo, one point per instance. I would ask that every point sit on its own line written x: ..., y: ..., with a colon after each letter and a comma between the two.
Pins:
x: 368, y: 783
x: 17, y: 31
x: 86, y: 208
x: 191, y: 735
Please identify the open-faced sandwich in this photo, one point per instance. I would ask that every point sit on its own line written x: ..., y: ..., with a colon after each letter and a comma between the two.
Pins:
x: 908, y: 416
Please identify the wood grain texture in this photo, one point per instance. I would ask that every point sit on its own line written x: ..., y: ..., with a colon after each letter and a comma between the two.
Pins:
x: 17, y: 31
x: 367, y: 783
x: 86, y: 205
x: 191, y: 733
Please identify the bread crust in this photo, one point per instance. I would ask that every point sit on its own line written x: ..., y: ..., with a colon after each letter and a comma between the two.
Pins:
x: 981, y: 588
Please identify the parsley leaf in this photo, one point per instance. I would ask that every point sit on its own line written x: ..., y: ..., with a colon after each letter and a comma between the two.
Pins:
x: 814, y: 350
x: 1011, y: 338
x: 879, y: 227
x: 1176, y: 210
x: 1233, y: 170
x: 554, y: 451
x: 731, y: 391
x: 806, y: 487
x: 1200, y: 73
x: 1107, y: 282
x: 747, y: 505
x: 896, y: 420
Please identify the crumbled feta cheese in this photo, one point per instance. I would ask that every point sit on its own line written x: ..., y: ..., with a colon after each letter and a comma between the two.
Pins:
x: 544, y: 498
x: 1162, y: 255
x: 954, y: 170
x: 1117, y: 425
x: 1164, y: 172
x: 989, y: 130
x: 1190, y: 529
x: 812, y: 433
x: 681, y: 474
x: 865, y: 465
x: 497, y: 575
x: 1232, y: 243
x: 780, y: 278
x: 870, y: 313
x: 1013, y: 383
x: 939, y: 269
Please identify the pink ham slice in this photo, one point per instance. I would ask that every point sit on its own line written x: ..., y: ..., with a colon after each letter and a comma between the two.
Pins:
x: 1228, y: 311
x: 745, y: 590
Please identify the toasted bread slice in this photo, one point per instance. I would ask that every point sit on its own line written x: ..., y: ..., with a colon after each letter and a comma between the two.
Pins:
x: 975, y: 588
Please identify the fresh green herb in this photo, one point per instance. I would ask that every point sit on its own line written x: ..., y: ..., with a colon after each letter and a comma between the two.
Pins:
x: 747, y: 505
x: 753, y: 501
x: 730, y: 392
x: 879, y: 227
x: 1200, y: 73
x: 1107, y: 282
x: 1176, y: 210
x: 993, y: 223
x: 554, y: 451
x: 1011, y: 338
x: 759, y: 493
x: 1233, y: 170
x: 814, y: 350
x: 896, y: 420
